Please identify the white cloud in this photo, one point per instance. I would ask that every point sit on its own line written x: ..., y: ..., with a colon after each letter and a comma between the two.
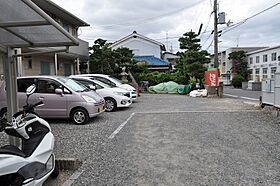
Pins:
x: 112, y: 20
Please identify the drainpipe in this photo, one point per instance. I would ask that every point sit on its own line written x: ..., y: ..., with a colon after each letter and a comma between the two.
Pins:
x: 55, y: 64
x: 88, y: 66
x: 19, y: 63
x: 78, y: 65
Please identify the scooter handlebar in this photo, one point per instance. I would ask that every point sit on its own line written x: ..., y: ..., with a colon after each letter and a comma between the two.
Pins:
x: 30, y: 107
x: 37, y: 104
x: 3, y: 124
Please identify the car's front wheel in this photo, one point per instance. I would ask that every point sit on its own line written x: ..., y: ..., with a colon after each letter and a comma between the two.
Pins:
x: 79, y: 116
x: 110, y: 105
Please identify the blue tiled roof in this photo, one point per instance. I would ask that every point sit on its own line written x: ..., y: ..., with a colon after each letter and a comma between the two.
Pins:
x: 152, y: 60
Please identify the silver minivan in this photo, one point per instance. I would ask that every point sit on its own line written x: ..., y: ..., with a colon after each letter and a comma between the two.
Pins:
x: 62, y: 97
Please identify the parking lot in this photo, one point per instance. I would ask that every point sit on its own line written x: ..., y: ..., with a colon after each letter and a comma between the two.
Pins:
x: 174, y: 140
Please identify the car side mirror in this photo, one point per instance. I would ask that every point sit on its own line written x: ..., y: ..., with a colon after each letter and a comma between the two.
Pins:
x: 59, y: 91
x: 92, y: 87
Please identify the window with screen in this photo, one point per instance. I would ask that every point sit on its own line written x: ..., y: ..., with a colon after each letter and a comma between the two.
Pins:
x: 257, y: 59
x: 265, y: 58
x: 273, y: 70
x: 273, y: 56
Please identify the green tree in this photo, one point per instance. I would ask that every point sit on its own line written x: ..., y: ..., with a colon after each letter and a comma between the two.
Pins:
x: 192, y: 59
x: 239, y: 64
x: 105, y: 60
x: 101, y: 60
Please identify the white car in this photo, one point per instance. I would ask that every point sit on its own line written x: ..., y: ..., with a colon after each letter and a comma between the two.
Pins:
x: 114, y: 97
x: 112, y: 82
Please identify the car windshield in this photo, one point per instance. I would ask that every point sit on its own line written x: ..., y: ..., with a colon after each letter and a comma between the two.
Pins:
x: 104, y: 85
x: 74, y: 85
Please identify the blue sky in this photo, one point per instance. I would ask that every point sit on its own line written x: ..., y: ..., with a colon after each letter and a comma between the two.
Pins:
x: 165, y: 20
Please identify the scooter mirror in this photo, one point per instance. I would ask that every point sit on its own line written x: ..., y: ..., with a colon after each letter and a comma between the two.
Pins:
x: 30, y: 90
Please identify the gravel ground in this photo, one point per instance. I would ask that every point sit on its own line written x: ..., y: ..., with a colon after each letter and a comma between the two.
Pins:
x: 174, y: 140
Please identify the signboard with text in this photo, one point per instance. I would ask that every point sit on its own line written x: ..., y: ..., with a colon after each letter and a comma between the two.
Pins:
x: 211, y: 78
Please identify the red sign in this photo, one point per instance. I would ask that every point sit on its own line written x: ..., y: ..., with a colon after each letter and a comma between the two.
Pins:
x: 211, y: 78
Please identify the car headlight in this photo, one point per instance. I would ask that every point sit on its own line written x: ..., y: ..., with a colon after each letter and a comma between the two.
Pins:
x: 119, y: 93
x: 88, y: 99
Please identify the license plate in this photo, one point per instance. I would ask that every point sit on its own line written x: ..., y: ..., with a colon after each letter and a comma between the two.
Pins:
x: 101, y: 108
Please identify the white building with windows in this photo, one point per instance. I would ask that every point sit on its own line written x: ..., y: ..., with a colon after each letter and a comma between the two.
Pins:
x: 264, y: 63
x: 225, y: 64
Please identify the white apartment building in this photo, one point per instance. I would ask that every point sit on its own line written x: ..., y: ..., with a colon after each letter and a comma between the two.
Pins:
x: 264, y: 63
x: 225, y: 65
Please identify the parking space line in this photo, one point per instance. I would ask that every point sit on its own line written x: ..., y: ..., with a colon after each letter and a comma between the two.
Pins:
x: 120, y: 127
x: 231, y: 95
x: 73, y: 178
x: 197, y: 111
x: 234, y: 96
x: 253, y: 99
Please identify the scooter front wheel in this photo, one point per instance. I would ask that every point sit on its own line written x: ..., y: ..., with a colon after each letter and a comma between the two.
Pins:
x: 55, y: 172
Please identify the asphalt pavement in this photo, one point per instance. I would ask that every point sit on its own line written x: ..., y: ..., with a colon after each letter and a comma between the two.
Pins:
x: 229, y: 91
x: 174, y: 140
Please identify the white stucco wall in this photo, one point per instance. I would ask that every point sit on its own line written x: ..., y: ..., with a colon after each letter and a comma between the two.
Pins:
x: 141, y: 47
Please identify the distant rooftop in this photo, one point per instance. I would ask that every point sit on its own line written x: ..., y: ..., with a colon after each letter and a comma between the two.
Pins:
x: 152, y: 60
x: 135, y: 35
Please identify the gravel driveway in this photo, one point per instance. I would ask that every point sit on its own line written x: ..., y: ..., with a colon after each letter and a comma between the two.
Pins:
x: 174, y: 140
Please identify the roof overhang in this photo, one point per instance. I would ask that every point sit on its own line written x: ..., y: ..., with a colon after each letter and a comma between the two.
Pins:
x: 24, y: 24
x: 51, y: 7
x: 136, y: 35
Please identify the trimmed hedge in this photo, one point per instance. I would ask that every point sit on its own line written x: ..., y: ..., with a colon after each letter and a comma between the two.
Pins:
x: 237, y: 81
x: 156, y: 78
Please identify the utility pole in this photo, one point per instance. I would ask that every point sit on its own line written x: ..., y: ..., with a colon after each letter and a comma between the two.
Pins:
x: 216, y: 63
x: 167, y: 41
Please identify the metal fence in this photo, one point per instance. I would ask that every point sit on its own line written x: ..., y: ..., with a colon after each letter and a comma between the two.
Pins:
x: 271, y: 91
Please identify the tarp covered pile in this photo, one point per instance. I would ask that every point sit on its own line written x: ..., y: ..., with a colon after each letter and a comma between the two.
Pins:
x: 170, y: 88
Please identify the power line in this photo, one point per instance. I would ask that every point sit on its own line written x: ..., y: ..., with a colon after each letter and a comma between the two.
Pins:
x: 206, y: 40
x: 146, y: 20
x: 210, y: 44
x: 243, y: 21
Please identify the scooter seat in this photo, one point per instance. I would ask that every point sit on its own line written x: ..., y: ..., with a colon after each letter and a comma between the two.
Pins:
x: 13, y: 150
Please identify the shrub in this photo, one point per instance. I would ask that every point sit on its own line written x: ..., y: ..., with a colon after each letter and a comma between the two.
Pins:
x: 156, y: 78
x: 237, y: 81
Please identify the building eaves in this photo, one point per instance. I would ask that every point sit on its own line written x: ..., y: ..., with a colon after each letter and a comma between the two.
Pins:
x: 49, y: 6
x: 263, y: 50
x: 135, y: 35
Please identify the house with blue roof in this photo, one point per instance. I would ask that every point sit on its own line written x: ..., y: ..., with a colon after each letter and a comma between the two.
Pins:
x: 154, y: 63
x: 146, y: 50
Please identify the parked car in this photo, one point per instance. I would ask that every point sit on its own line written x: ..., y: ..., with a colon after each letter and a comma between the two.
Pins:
x: 62, y: 97
x: 114, y: 97
x: 114, y: 82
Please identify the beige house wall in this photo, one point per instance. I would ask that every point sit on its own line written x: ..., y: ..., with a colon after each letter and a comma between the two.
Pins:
x: 36, y: 65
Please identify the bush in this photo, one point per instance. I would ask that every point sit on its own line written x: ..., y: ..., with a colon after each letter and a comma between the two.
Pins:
x: 156, y: 78
x: 237, y: 81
